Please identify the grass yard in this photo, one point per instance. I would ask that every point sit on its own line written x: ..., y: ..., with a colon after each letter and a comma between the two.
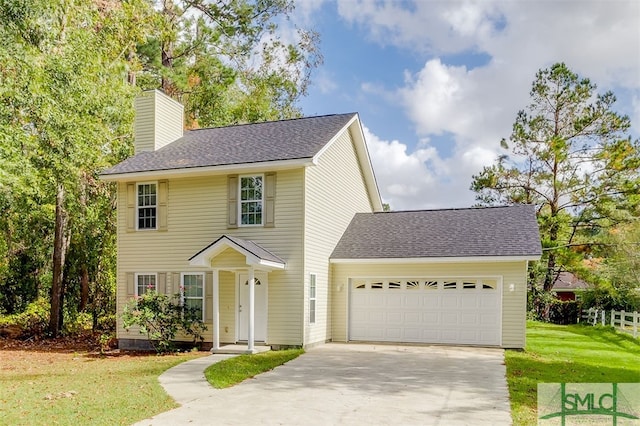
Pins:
x: 232, y: 371
x: 80, y: 388
x: 570, y: 354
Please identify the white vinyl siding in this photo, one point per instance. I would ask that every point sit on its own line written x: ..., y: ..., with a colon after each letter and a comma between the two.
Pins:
x: 513, y: 302
x: 335, y: 191
x: 145, y: 282
x: 192, y: 292
x: 191, y: 229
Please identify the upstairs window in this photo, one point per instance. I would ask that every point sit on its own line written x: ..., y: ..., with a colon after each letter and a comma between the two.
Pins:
x: 251, y: 200
x: 147, y: 206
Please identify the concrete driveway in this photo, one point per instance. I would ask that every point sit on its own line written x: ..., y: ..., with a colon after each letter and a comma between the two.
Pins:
x: 351, y: 384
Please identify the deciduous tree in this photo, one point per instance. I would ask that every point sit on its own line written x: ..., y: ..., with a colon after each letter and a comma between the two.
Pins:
x: 229, y: 62
x: 66, y: 114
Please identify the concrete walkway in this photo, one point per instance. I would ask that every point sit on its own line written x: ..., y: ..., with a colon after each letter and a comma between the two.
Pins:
x: 350, y: 384
x: 186, y: 382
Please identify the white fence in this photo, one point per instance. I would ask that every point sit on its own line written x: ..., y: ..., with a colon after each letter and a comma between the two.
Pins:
x: 627, y: 322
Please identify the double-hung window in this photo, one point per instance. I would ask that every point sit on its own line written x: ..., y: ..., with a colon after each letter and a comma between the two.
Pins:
x: 251, y: 200
x: 312, y: 298
x: 192, y: 292
x: 147, y: 205
x: 146, y: 282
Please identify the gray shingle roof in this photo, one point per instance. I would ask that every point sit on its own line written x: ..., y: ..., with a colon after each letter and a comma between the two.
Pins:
x: 248, y: 143
x: 473, y: 232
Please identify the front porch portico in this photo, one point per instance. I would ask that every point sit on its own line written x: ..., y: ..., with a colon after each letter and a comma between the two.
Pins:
x: 239, y: 256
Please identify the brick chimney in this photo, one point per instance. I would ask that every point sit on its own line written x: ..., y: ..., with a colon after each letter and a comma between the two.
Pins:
x: 159, y: 121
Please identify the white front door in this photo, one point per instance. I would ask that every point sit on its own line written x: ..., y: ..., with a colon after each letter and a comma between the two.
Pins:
x: 260, y: 307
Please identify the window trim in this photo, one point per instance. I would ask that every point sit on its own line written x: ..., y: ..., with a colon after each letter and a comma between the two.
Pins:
x: 138, y: 274
x: 262, y: 200
x: 313, y: 284
x: 182, y: 295
x: 156, y: 206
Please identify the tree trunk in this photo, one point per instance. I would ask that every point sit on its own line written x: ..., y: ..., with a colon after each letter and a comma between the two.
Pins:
x: 60, y: 245
x: 167, y: 48
x: 550, y: 274
x: 84, y: 288
x: 131, y: 75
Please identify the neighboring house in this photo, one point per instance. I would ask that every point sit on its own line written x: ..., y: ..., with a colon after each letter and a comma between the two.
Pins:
x: 569, y: 287
x: 276, y: 232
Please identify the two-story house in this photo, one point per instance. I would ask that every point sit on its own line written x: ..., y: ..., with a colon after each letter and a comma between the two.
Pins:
x: 275, y: 231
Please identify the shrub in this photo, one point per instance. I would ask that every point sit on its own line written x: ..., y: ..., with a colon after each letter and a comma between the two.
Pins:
x: 106, y: 323
x: 539, y: 303
x: 608, y: 297
x: 33, y: 322
x: 161, y: 317
x: 564, y: 311
x: 77, y: 323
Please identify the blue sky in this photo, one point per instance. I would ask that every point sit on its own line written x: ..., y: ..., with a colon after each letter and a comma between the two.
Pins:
x: 438, y: 83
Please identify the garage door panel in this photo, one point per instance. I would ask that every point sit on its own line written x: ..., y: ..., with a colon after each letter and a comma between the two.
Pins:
x: 394, y: 317
x: 429, y: 301
x: 431, y: 318
x: 469, y: 319
x: 359, y: 316
x: 471, y: 336
x: 449, y: 335
x: 450, y: 301
x: 394, y: 300
x: 412, y: 334
x: 469, y: 301
x: 393, y: 334
x: 377, y: 317
x: 412, y: 318
x: 410, y: 301
x: 488, y: 319
x: 377, y: 299
x: 445, y: 311
x: 430, y: 336
x: 450, y: 318
x: 376, y: 333
x: 489, y: 336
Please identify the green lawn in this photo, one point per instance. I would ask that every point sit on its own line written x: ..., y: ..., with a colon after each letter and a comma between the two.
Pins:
x: 48, y: 388
x: 570, y: 354
x: 235, y: 370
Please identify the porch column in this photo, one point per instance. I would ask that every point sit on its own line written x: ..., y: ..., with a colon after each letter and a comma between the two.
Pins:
x: 216, y: 310
x: 252, y: 285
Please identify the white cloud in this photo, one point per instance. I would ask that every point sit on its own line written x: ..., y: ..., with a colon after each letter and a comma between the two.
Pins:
x: 305, y: 11
x: 325, y: 81
x: 477, y: 104
x: 419, y: 179
x: 597, y: 38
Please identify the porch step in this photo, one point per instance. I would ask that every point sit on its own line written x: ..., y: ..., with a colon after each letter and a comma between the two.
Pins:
x: 240, y: 349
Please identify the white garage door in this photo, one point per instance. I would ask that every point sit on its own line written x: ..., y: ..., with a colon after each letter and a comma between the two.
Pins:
x: 429, y: 310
